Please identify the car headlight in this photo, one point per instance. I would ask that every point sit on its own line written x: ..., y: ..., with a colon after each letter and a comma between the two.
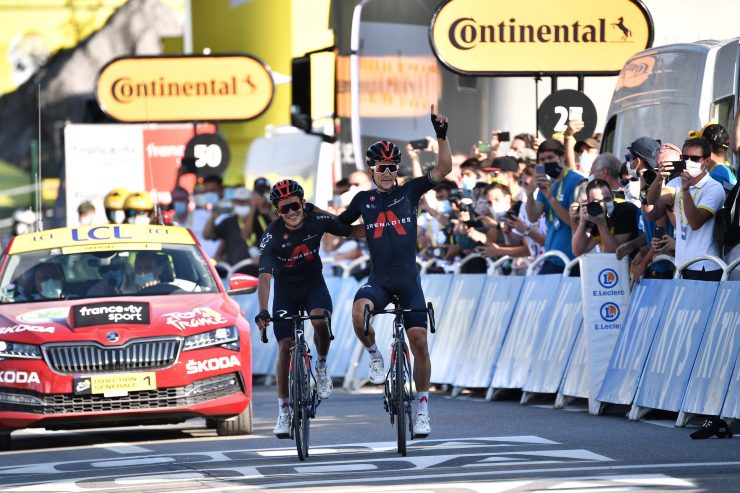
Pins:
x: 18, y: 350
x: 227, y: 337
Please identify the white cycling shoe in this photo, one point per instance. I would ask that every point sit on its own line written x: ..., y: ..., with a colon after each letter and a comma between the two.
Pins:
x: 422, y: 428
x: 377, y: 372
x: 282, y: 428
x: 324, y: 385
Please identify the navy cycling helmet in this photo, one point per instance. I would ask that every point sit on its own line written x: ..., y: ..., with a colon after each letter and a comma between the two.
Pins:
x: 284, y: 189
x: 383, y: 151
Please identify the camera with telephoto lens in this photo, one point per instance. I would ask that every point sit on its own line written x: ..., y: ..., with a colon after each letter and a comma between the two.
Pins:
x: 594, y: 208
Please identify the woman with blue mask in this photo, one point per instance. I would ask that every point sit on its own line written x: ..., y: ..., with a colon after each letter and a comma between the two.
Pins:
x: 48, y: 282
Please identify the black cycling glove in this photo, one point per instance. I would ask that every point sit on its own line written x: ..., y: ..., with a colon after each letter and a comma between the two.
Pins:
x: 439, y: 128
x: 264, y: 315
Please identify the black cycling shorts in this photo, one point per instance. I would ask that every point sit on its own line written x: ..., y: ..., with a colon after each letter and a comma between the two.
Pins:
x: 409, y: 293
x: 311, y: 294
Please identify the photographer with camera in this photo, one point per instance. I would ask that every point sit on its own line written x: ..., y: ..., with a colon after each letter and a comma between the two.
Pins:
x: 555, y: 184
x: 695, y: 197
x: 602, y: 221
x: 225, y: 223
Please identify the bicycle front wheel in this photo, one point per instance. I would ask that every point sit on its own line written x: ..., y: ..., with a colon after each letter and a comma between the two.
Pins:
x: 301, y: 393
x: 399, y: 391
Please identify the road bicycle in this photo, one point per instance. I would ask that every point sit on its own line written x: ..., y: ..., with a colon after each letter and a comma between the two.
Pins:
x: 398, y: 387
x: 303, y: 397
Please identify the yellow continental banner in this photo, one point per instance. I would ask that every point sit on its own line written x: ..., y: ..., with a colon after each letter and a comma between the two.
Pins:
x: 499, y: 37
x: 185, y: 88
x: 88, y: 237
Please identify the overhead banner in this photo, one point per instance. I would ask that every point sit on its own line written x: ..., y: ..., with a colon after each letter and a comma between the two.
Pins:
x: 605, y: 294
x: 184, y: 88
x: 500, y: 37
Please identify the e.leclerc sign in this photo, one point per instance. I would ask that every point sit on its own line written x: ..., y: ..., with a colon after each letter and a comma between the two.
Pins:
x: 184, y: 88
x: 504, y: 37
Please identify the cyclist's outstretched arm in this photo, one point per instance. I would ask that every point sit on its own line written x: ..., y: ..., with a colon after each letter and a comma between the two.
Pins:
x: 444, y: 156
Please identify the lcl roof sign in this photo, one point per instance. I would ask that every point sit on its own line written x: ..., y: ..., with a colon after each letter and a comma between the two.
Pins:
x: 501, y: 37
x: 184, y: 88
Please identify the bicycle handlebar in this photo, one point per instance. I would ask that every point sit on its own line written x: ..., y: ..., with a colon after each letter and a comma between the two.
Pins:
x: 396, y: 310
x: 299, y: 318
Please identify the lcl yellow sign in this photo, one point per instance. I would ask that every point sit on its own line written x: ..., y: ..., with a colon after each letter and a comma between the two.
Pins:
x: 504, y: 37
x: 184, y: 88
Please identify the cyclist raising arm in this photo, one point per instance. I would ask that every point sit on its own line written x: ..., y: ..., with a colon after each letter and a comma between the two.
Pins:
x: 289, y: 252
x: 389, y: 213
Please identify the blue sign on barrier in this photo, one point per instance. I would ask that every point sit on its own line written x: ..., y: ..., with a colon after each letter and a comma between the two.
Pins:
x: 456, y: 323
x: 731, y: 408
x: 496, y: 306
x: 557, y: 337
x: 676, y: 343
x: 712, y: 370
x: 631, y: 350
x: 263, y: 355
x: 535, y: 307
x: 345, y: 340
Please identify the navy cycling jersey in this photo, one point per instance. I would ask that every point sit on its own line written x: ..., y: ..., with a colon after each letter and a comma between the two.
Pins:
x: 293, y: 255
x: 390, y: 225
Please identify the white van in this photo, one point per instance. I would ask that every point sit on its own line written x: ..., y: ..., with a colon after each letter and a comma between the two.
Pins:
x: 666, y: 91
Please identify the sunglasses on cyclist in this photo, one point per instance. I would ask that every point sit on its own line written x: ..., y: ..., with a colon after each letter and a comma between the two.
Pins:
x: 696, y: 159
x: 293, y: 206
x: 382, y: 168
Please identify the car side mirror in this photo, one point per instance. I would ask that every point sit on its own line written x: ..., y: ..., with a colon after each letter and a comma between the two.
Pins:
x: 242, y: 284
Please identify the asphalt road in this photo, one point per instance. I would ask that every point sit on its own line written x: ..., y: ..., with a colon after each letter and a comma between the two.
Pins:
x: 475, y: 446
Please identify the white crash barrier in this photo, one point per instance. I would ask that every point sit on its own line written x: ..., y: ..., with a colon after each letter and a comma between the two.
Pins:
x: 678, y: 348
x: 457, y: 319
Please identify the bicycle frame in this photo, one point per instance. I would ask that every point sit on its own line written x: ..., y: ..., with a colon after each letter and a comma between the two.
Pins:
x: 302, y: 395
x: 398, y: 387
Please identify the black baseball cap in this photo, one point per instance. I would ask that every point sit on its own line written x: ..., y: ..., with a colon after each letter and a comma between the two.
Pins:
x: 645, y: 147
x: 261, y: 185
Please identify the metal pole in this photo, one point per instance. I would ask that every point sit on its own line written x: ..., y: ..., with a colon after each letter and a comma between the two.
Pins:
x: 580, y: 83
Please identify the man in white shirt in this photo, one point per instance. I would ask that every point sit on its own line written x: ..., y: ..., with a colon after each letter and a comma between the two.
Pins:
x: 695, y: 197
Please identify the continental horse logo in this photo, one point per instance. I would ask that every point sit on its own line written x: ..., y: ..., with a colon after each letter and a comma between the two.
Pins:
x: 626, y: 32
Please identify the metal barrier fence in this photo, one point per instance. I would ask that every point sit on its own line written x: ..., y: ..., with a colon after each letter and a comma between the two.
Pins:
x: 677, y: 349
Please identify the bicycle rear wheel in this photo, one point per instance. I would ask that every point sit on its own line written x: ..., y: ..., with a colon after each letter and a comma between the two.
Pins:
x: 399, y: 398
x: 299, y: 404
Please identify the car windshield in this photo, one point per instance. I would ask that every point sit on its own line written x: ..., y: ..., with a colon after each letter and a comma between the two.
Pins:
x: 166, y: 269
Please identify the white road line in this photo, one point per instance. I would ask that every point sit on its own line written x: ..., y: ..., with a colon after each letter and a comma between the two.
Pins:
x: 123, y: 448
x: 133, y: 462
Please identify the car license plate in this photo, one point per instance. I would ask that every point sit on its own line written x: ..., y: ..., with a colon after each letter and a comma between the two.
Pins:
x: 115, y: 385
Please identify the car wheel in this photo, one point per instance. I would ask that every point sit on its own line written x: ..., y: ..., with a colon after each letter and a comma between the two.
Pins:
x: 211, y: 423
x: 239, y: 425
x: 5, y: 441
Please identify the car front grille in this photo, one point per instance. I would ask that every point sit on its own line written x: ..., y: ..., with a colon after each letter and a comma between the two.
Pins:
x: 91, y: 357
x: 188, y: 395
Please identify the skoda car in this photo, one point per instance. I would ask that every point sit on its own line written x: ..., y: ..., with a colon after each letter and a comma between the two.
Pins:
x: 113, y: 325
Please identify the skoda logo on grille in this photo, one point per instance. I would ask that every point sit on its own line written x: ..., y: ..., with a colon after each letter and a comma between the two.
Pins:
x: 112, y: 336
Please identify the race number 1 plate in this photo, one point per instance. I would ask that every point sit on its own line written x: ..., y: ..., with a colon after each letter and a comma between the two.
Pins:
x: 115, y: 385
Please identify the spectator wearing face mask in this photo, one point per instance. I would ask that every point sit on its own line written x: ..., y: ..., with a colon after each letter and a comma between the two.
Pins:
x: 554, y: 194
x: 226, y: 224
x: 113, y: 204
x: 139, y: 208
x: 86, y: 213
x: 197, y: 219
x: 586, y: 151
x: 256, y: 213
x: 48, y: 281
x: 602, y: 221
x: 717, y: 166
x: 695, y: 197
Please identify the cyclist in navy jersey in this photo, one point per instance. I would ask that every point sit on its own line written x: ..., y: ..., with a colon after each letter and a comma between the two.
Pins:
x: 289, y: 252
x: 389, y: 214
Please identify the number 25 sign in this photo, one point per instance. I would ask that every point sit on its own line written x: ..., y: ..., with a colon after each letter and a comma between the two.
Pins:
x: 561, y: 106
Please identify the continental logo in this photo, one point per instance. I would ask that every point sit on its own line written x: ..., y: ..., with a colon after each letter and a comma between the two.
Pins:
x: 570, y: 36
x: 184, y: 88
